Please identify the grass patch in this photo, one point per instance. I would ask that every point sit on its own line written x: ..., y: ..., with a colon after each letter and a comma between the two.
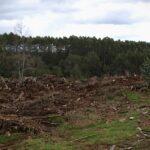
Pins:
x: 4, y: 139
x: 56, y: 119
x: 96, y: 133
x: 127, y: 114
x: 133, y: 96
x: 41, y: 144
x: 108, y: 133
x: 103, y: 133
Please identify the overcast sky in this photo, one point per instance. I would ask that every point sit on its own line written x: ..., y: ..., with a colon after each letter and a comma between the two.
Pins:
x: 119, y: 19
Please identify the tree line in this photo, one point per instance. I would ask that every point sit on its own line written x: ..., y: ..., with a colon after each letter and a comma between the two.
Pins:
x: 82, y: 57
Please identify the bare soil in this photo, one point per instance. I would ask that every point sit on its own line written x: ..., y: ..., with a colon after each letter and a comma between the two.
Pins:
x: 25, y: 108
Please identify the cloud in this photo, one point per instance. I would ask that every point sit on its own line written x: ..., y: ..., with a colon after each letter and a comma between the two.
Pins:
x: 113, y: 17
x: 128, y: 19
x: 19, y: 9
x: 16, y: 9
x: 109, y: 12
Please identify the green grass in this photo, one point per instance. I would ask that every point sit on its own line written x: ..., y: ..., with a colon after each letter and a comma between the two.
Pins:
x: 103, y: 133
x: 98, y: 133
x: 41, y: 144
x: 137, y: 97
x: 56, y: 119
x: 133, y: 96
x: 4, y: 139
x: 127, y: 114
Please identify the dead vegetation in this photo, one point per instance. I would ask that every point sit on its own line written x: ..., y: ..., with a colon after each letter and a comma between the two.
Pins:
x: 39, y: 104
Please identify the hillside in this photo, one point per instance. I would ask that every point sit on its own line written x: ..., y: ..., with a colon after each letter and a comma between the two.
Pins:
x: 50, y: 112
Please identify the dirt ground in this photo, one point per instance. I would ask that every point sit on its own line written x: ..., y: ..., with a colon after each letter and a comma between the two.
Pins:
x: 28, y: 107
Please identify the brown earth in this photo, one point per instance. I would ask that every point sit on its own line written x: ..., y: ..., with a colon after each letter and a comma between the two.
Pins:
x: 26, y: 107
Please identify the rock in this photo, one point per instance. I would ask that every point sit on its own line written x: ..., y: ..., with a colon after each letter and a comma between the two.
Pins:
x: 131, y: 118
x: 113, y: 80
x: 139, y: 128
x: 78, y: 99
x: 112, y: 147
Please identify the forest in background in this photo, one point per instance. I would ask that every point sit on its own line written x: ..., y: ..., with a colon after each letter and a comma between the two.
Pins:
x: 82, y: 57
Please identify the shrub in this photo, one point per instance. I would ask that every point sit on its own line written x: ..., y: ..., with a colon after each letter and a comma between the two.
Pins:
x: 146, y: 71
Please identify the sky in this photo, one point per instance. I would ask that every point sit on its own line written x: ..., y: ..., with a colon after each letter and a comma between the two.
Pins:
x: 118, y: 19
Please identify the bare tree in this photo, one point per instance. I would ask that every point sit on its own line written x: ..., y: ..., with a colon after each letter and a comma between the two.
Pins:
x: 22, y: 31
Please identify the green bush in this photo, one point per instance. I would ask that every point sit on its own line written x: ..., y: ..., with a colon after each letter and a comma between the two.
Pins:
x: 146, y: 71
